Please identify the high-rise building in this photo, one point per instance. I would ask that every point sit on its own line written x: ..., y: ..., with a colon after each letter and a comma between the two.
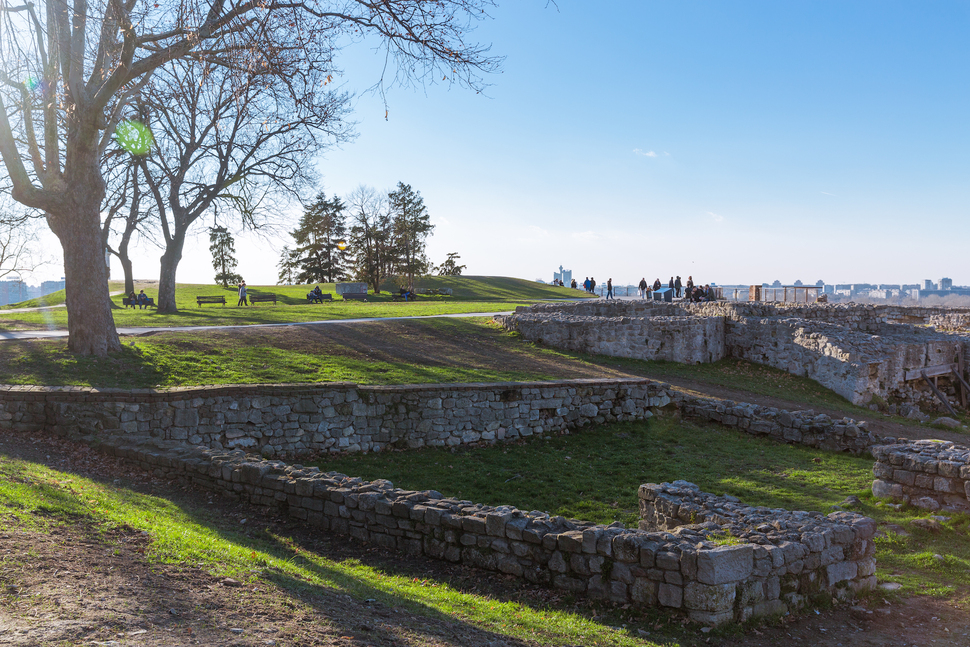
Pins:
x: 928, y: 284
x: 946, y: 284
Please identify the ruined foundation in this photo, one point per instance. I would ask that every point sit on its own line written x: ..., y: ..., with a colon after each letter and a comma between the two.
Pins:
x: 864, y: 353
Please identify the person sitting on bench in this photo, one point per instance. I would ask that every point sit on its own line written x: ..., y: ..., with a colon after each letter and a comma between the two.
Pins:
x: 132, y: 300
x: 316, y: 294
x: 142, y: 300
x: 406, y: 293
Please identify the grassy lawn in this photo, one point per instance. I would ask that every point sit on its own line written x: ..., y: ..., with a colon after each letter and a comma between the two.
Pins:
x: 400, y: 352
x: 42, y: 499
x: 471, y: 294
x: 594, y: 475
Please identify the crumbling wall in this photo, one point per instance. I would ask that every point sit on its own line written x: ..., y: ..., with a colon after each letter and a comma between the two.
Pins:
x: 861, y: 352
x: 769, y: 560
x: 926, y: 473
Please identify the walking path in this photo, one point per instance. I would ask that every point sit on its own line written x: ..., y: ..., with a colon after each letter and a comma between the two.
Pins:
x: 54, y: 334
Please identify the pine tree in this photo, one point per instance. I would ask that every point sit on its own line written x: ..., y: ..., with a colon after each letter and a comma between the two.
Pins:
x: 317, y: 257
x: 450, y: 267
x: 411, y: 226
x: 223, y: 249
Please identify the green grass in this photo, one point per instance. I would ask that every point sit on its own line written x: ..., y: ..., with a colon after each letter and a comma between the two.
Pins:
x: 42, y: 498
x: 52, y: 299
x: 594, y: 474
x: 471, y: 294
x: 426, y: 351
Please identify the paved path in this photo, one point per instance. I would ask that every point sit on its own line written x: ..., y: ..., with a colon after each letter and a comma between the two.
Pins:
x: 48, y: 334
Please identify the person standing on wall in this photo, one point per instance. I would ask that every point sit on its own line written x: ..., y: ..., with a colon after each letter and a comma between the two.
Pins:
x: 242, y: 294
x: 609, y: 289
x: 677, y: 286
x: 643, y: 288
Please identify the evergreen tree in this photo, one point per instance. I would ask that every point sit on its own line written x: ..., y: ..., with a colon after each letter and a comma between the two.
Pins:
x: 223, y: 249
x: 450, y: 267
x: 411, y: 226
x: 317, y: 257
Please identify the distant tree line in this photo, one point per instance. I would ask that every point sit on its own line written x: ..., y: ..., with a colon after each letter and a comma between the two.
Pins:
x: 368, y: 236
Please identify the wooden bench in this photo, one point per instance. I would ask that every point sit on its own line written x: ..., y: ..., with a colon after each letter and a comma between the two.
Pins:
x: 312, y: 298
x: 262, y: 298
x: 201, y: 300
x: 134, y: 303
x: 354, y: 296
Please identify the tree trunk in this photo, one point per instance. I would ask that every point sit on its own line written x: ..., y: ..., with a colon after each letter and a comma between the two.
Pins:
x: 129, y: 274
x: 90, y: 325
x: 166, y: 280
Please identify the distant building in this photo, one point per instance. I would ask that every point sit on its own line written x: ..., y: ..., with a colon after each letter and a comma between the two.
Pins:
x: 928, y: 285
x: 566, y: 276
x: 13, y: 291
x: 820, y: 283
x: 776, y: 284
x: 946, y: 284
x: 798, y: 283
x: 47, y: 287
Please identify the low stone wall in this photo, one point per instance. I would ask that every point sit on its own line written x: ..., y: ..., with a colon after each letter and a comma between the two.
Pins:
x: 768, y: 561
x: 682, y: 569
x: 795, y: 427
x: 291, y: 420
x: 927, y: 473
x: 687, y: 340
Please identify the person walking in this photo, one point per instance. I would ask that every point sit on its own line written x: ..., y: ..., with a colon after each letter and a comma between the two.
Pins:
x: 609, y: 289
x: 643, y: 288
x: 677, y: 286
x: 242, y: 294
x: 592, y: 285
x: 586, y: 284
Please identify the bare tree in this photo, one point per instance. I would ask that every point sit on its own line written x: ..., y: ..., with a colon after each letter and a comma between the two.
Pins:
x: 18, y: 240
x: 370, y: 234
x: 125, y: 208
x: 69, y: 69
x: 232, y: 143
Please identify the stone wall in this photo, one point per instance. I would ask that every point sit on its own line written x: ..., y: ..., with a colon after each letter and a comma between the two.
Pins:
x: 769, y: 560
x: 861, y: 352
x: 686, y: 340
x: 794, y: 427
x: 291, y: 420
x: 683, y: 569
x: 927, y: 473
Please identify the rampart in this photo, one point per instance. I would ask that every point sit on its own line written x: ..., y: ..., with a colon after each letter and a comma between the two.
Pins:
x: 927, y: 473
x: 861, y: 352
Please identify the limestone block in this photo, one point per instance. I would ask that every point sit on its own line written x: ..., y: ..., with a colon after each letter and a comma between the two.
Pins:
x: 841, y: 571
x: 670, y: 595
x: 725, y: 564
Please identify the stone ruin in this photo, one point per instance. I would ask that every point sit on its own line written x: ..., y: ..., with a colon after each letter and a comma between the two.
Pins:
x: 872, y: 355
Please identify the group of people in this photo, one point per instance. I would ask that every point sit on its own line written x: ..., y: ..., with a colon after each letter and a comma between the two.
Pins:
x: 141, y: 300
x: 687, y: 290
x: 589, y: 284
x: 315, y: 295
x: 243, y: 301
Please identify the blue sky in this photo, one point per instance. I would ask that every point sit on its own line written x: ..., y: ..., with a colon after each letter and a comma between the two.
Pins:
x: 736, y: 142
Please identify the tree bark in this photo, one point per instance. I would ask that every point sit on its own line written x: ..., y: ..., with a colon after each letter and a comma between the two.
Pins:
x: 129, y: 273
x: 166, y: 280
x: 91, y: 328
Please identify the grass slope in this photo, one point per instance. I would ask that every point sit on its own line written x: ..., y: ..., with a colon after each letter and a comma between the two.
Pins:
x: 471, y: 294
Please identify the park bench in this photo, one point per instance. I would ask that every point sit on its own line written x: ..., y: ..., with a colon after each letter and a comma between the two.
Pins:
x: 201, y: 300
x: 134, y: 302
x: 354, y: 296
x: 262, y: 298
x: 312, y: 298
